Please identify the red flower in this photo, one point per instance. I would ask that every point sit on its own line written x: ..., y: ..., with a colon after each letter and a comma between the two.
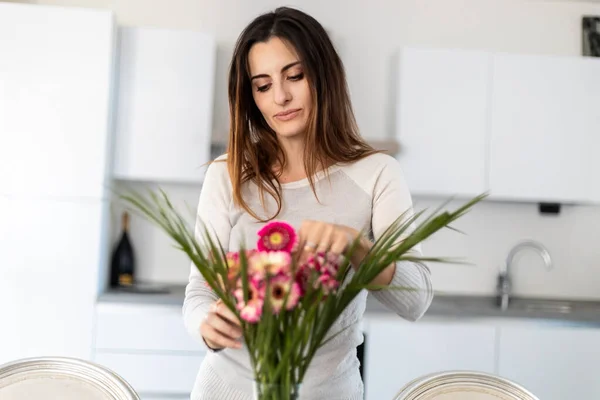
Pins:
x: 277, y: 236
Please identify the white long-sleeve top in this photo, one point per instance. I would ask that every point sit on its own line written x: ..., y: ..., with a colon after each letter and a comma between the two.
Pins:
x: 367, y: 195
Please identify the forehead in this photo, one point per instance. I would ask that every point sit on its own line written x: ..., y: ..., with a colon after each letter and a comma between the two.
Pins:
x: 270, y: 56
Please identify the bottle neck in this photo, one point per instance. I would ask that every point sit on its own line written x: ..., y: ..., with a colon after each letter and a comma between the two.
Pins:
x: 125, y: 222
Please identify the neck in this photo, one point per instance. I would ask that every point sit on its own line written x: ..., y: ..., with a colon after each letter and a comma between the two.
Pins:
x: 293, y: 149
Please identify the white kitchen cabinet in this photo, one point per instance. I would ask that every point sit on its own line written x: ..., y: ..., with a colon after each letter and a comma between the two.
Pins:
x: 56, y: 71
x: 442, y: 117
x: 148, y: 345
x: 544, y: 128
x: 49, y: 260
x: 164, y: 105
x: 173, y: 374
x: 142, y: 327
x: 553, y: 362
x: 398, y: 351
x: 55, y: 87
x: 522, y: 127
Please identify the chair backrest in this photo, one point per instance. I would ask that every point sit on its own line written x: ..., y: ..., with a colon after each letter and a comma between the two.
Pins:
x: 463, y: 385
x: 61, y: 378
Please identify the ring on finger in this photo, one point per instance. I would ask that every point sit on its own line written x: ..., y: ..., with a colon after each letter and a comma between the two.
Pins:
x: 310, y: 246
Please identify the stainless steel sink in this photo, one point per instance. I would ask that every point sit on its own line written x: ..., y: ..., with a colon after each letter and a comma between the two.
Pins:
x: 552, y: 306
x: 466, y: 306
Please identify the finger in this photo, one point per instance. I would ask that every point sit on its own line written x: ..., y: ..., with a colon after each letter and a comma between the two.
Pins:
x: 309, y: 239
x: 225, y: 327
x: 213, y: 336
x: 222, y: 310
x: 326, y: 238
x: 317, y: 233
x: 310, y: 246
x: 302, y: 232
x: 340, y: 243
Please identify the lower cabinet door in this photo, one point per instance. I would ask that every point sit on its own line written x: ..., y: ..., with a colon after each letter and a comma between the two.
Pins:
x: 398, y: 351
x: 553, y: 362
x: 148, y: 374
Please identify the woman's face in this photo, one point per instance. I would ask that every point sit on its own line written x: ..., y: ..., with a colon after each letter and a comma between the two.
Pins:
x: 279, y: 87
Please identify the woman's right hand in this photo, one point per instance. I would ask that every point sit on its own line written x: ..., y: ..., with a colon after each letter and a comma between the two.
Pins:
x: 221, y: 328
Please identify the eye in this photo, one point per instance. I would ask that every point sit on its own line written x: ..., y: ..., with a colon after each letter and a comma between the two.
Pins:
x: 296, y: 77
x: 263, y: 88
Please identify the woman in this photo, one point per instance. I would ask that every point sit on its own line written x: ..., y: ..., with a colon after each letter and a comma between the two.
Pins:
x: 295, y: 154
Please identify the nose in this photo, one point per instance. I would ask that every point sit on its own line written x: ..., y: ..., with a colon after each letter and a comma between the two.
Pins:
x: 281, y: 95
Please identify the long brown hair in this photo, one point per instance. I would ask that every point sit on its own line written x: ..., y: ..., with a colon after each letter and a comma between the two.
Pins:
x: 331, y: 134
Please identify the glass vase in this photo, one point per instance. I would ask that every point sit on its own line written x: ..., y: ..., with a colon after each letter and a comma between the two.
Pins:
x: 276, y: 391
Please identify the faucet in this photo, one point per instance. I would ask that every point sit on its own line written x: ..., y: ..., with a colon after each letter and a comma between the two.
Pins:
x: 504, y: 278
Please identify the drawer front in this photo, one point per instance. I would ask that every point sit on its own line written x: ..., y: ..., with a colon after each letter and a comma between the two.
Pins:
x: 142, y: 327
x: 152, y: 373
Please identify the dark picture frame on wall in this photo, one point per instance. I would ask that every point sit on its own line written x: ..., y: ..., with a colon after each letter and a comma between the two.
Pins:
x: 590, y: 28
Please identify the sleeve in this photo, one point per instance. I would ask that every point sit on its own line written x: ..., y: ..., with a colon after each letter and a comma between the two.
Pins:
x: 213, y: 213
x: 391, y: 198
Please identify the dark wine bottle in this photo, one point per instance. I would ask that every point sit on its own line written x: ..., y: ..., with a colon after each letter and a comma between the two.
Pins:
x: 122, y: 269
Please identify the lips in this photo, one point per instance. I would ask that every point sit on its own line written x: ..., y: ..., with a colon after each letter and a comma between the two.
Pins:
x: 288, y: 114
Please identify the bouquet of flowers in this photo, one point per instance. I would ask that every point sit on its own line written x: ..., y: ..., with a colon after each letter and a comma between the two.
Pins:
x: 287, y: 304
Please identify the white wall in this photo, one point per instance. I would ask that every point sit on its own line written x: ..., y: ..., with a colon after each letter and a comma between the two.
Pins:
x: 368, y: 38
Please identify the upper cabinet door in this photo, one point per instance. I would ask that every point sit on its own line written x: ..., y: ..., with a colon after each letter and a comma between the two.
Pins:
x: 544, y: 130
x: 56, y: 70
x: 442, y: 119
x: 165, y: 104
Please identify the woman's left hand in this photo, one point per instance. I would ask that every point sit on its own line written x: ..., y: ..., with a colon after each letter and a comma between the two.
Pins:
x: 318, y: 236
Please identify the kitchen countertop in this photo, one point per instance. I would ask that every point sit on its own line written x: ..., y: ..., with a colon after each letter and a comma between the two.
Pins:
x: 175, y: 296
x: 443, y: 306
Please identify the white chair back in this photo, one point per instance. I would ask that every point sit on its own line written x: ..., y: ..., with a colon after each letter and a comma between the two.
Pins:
x: 61, y: 378
x: 463, y: 385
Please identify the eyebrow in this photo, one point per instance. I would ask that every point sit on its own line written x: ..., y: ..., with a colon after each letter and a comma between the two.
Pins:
x: 282, y: 70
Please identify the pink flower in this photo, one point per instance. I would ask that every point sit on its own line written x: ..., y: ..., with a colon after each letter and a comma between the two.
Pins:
x: 328, y: 283
x: 232, y: 258
x: 303, y: 275
x: 233, y: 265
x: 251, y: 311
x: 324, y: 263
x: 320, y: 272
x: 264, y: 263
x: 330, y: 269
x: 277, y: 236
x: 283, y: 286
